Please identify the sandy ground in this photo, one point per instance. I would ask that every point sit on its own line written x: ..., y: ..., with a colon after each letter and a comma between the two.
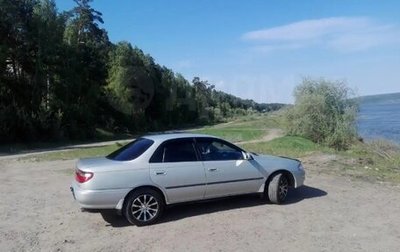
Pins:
x: 331, y: 213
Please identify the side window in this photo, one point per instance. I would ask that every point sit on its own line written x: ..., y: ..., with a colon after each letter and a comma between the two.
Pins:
x: 175, y: 151
x: 214, y: 150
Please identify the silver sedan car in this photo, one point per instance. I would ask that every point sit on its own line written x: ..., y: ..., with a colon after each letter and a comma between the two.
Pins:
x: 154, y: 171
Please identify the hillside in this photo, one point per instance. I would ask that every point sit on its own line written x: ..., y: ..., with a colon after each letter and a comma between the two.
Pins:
x: 380, y: 98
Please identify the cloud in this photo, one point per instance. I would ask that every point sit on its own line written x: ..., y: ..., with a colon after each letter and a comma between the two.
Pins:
x: 274, y: 47
x: 339, y: 33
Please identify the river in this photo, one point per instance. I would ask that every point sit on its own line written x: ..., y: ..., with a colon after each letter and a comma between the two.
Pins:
x: 380, y: 118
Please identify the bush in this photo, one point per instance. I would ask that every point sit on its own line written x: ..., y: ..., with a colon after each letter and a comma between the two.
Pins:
x: 324, y: 113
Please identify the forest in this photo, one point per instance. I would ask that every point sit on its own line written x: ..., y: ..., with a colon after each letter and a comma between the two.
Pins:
x: 62, y: 78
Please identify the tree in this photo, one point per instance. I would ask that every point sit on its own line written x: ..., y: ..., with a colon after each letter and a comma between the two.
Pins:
x: 204, y: 99
x: 87, y: 47
x: 120, y: 77
x: 61, y: 77
x: 324, y: 113
x: 14, y: 80
x: 31, y: 42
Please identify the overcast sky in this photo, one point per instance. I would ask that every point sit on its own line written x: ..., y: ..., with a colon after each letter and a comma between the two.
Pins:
x: 262, y: 49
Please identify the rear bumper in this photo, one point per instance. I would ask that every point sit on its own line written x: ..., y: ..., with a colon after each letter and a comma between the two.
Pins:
x: 98, y: 199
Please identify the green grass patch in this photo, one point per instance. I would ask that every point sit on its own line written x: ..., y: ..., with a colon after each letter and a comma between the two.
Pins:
x: 75, y: 153
x: 270, y: 120
x: 244, y: 129
x: 376, y: 160
x: 233, y: 134
x: 100, y: 135
x: 291, y: 146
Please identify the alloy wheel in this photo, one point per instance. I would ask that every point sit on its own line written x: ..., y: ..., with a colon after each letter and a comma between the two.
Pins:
x: 283, y: 187
x: 144, y: 207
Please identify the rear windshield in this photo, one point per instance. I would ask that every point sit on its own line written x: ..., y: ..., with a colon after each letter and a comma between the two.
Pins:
x: 132, y: 150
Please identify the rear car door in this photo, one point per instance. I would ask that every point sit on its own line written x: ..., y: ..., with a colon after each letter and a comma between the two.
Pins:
x: 227, y: 172
x: 175, y: 167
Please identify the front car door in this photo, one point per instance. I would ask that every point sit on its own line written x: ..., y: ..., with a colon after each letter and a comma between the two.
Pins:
x: 227, y: 172
x: 175, y: 167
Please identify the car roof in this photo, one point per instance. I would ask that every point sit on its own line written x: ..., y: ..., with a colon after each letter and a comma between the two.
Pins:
x: 174, y: 135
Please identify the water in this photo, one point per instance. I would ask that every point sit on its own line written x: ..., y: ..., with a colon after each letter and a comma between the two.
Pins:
x: 379, y: 119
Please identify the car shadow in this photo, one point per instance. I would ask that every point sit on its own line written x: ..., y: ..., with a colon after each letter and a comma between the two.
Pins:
x: 302, y: 193
x: 181, y: 211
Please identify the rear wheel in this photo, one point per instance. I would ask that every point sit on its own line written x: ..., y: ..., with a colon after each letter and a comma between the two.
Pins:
x: 144, y: 207
x: 278, y: 188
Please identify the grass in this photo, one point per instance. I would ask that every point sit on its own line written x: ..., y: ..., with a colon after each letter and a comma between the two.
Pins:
x: 99, y: 136
x: 376, y: 161
x: 270, y: 120
x: 244, y: 129
x: 234, y: 134
x: 291, y: 146
x: 74, y: 154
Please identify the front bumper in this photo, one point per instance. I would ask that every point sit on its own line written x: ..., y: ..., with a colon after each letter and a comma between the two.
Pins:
x: 299, y: 178
x: 98, y: 199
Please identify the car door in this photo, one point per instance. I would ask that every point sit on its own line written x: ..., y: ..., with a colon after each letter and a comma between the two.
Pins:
x: 175, y: 167
x: 227, y: 172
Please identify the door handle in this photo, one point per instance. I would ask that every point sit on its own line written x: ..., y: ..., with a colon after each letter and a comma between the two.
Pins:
x: 212, y: 169
x: 161, y: 172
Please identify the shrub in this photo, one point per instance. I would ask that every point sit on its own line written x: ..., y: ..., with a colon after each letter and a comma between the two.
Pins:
x: 324, y: 113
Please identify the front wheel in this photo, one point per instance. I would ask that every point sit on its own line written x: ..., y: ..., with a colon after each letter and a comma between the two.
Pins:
x: 278, y: 188
x: 144, y: 207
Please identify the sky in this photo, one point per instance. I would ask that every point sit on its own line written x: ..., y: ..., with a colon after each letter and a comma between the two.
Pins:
x: 261, y: 50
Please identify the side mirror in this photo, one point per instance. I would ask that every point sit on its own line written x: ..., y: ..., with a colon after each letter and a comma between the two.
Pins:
x: 247, y: 156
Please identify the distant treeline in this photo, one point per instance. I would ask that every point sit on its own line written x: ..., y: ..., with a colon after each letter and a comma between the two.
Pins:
x: 380, y: 99
x: 61, y: 78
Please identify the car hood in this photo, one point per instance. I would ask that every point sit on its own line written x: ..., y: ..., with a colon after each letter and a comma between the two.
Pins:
x: 270, y: 162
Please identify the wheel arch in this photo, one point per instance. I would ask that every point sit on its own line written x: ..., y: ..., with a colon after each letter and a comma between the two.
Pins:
x: 288, y: 174
x: 143, y: 187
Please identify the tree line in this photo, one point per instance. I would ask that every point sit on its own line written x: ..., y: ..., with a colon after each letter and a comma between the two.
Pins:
x: 61, y: 78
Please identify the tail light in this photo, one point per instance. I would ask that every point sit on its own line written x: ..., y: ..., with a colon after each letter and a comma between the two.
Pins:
x: 82, y: 176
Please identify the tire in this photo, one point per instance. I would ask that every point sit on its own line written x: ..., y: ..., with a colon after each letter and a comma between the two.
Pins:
x: 278, y: 188
x: 144, y: 207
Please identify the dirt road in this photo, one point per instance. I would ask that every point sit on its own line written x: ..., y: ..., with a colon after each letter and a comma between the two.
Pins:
x: 331, y: 213
x: 270, y: 135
